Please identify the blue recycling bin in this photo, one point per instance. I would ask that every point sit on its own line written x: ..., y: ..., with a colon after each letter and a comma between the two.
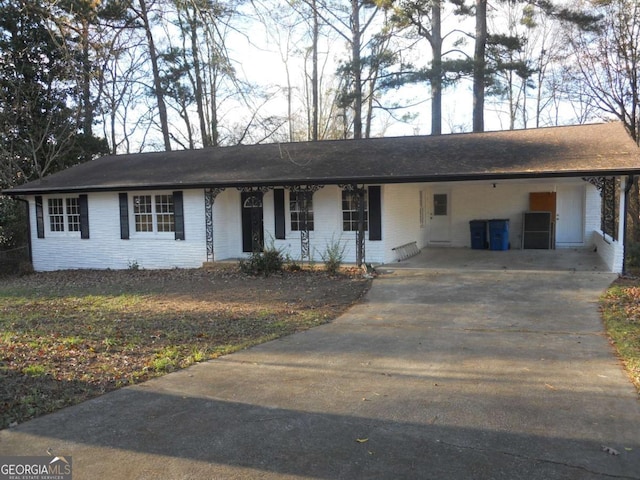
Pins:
x: 499, y: 234
x: 478, y: 230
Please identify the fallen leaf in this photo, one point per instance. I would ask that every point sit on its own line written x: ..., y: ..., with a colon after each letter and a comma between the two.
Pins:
x: 550, y: 387
x: 610, y: 451
x: 362, y: 440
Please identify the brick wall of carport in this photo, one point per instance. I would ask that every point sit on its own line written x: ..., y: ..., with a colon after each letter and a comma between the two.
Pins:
x: 476, y: 200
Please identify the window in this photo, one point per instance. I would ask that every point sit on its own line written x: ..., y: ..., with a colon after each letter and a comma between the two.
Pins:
x: 64, y: 214
x: 56, y: 214
x: 440, y: 204
x: 164, y: 213
x: 153, y: 213
x: 301, y: 209
x: 142, y: 213
x: 350, y: 211
x: 73, y: 214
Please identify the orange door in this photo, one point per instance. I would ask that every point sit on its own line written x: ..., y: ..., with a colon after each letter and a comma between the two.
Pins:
x: 545, y: 202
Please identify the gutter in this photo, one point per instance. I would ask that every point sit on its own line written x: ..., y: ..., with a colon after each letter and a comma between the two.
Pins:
x: 286, y: 182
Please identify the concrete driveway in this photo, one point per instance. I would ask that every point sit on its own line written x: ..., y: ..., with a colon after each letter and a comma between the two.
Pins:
x: 436, y: 375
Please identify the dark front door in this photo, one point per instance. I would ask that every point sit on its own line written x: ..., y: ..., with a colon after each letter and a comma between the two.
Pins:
x: 252, y: 227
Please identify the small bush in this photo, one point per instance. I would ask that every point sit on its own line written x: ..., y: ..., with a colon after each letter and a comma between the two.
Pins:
x: 633, y: 255
x: 292, y: 264
x: 333, y: 256
x: 34, y: 370
x: 263, y: 263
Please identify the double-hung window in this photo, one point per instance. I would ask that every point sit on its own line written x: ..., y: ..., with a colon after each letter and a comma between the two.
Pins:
x: 154, y: 213
x: 73, y: 214
x: 301, y: 210
x: 64, y: 214
x: 350, y: 213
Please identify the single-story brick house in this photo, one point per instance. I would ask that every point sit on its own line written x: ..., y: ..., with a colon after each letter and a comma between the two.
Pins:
x: 373, y: 196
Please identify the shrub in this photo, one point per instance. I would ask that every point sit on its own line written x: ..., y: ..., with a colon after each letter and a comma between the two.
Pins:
x: 269, y: 261
x: 633, y: 255
x: 293, y: 265
x: 333, y: 256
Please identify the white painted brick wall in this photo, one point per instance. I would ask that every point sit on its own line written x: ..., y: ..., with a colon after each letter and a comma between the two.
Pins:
x: 327, y: 214
x: 401, y: 218
x: 227, y: 225
x: 104, y: 249
x: 400, y: 225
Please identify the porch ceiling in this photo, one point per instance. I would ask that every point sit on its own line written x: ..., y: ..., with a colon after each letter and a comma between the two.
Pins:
x: 585, y: 150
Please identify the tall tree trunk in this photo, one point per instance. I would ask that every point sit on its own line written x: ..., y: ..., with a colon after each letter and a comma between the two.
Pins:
x: 479, y: 65
x: 436, y: 79
x: 197, y: 71
x: 153, y: 56
x: 357, y: 71
x: 314, y: 75
x: 87, y: 104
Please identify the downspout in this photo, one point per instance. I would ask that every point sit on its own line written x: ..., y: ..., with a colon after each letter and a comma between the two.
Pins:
x: 627, y: 189
x: 26, y: 204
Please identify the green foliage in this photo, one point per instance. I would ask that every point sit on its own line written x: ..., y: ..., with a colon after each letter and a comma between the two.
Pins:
x: 34, y: 370
x: 41, y: 124
x: 13, y: 224
x: 632, y: 255
x: 14, y: 241
x: 267, y: 262
x: 333, y: 256
x: 166, y: 361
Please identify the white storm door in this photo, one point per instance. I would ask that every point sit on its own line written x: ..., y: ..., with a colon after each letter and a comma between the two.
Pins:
x: 440, y: 217
x: 570, y: 215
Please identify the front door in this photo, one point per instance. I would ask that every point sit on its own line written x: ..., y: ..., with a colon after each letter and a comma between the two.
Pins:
x: 440, y: 218
x: 570, y: 217
x: 252, y: 224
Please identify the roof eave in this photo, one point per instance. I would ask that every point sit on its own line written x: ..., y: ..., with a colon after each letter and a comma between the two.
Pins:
x: 387, y: 179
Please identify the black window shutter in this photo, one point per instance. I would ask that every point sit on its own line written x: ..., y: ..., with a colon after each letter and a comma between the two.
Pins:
x: 124, y: 216
x: 83, y: 203
x: 39, y: 217
x: 178, y: 215
x: 278, y: 203
x: 375, y: 214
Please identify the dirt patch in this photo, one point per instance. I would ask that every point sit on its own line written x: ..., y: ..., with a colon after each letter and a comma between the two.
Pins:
x: 69, y: 336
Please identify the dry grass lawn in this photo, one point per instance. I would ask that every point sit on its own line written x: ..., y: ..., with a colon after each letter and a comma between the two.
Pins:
x: 69, y: 336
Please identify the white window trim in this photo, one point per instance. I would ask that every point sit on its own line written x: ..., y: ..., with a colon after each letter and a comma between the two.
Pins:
x: 47, y: 217
x: 353, y: 232
x: 288, y: 217
x: 154, y: 216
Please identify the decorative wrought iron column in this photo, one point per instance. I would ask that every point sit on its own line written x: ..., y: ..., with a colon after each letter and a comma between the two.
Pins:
x: 609, y: 193
x: 359, y: 199
x: 210, y: 195
x: 304, y: 195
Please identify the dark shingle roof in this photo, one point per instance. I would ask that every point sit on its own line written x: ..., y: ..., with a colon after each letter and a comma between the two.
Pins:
x: 584, y: 150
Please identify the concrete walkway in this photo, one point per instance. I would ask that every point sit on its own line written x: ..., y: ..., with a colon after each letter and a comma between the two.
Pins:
x: 436, y: 375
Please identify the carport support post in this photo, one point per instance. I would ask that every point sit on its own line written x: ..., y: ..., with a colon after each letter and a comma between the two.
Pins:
x: 360, y: 192
x: 625, y: 217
